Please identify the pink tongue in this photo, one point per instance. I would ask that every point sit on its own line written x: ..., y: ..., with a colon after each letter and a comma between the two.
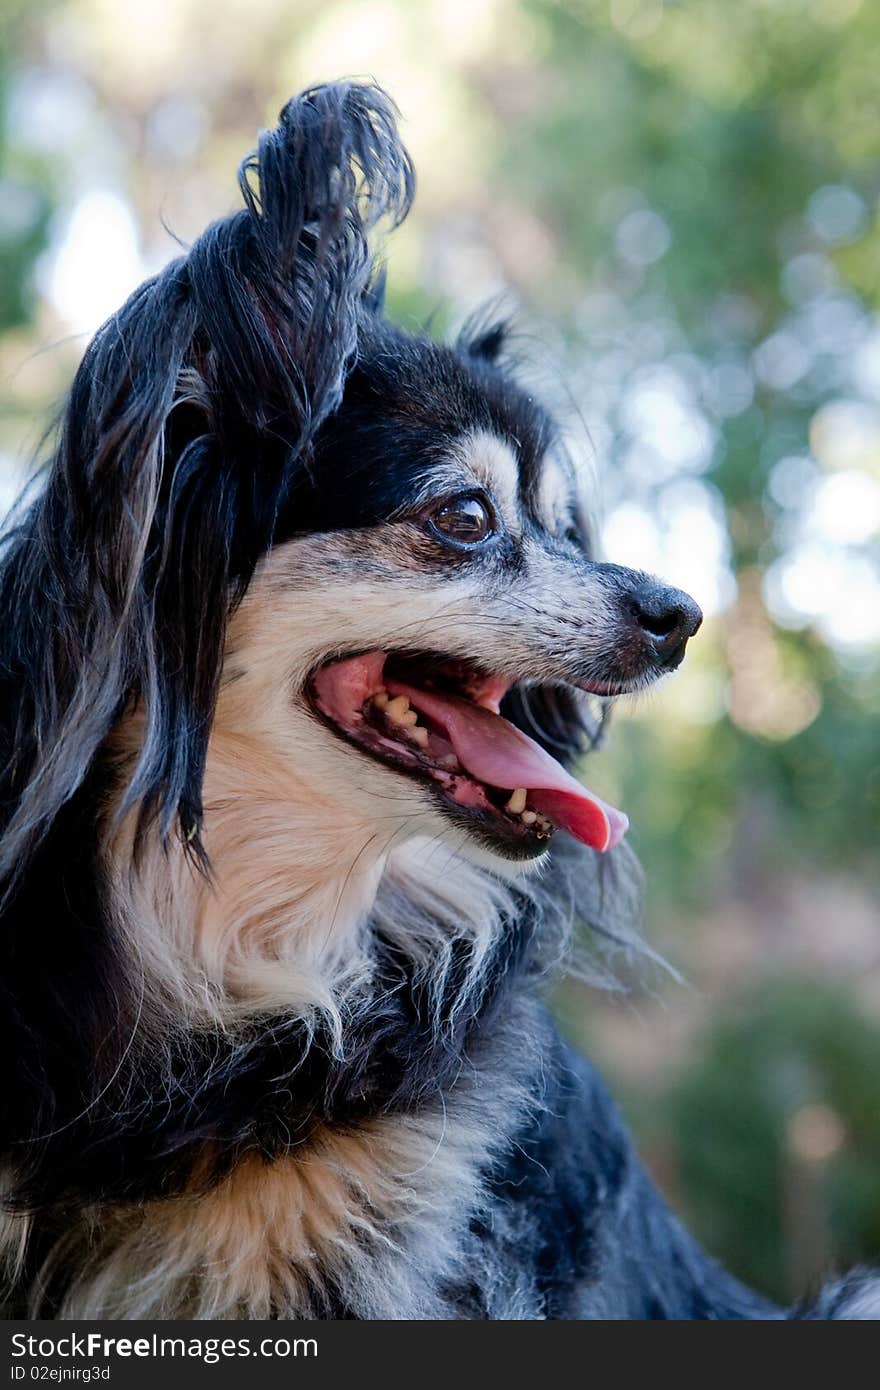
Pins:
x: 495, y: 752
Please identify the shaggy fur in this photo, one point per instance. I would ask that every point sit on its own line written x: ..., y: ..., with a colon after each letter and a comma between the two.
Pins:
x: 273, y: 1002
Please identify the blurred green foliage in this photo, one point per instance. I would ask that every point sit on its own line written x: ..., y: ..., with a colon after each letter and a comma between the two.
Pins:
x: 24, y: 203
x: 796, y: 1050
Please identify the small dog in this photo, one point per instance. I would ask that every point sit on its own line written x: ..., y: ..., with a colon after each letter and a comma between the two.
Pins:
x: 298, y: 641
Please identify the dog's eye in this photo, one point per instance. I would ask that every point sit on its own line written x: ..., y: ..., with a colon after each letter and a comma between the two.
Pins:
x: 463, y: 521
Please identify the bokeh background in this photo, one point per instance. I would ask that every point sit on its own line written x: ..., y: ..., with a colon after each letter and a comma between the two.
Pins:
x: 682, y: 198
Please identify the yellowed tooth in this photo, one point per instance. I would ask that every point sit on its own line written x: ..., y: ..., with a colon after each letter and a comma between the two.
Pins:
x: 517, y: 801
x: 529, y: 817
x: 397, y: 708
x: 381, y: 699
x: 419, y: 735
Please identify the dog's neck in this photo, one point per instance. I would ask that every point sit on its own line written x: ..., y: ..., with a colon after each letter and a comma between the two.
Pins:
x: 285, y: 920
x: 276, y: 923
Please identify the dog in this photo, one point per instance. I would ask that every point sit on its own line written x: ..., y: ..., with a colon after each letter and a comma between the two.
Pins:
x: 301, y: 635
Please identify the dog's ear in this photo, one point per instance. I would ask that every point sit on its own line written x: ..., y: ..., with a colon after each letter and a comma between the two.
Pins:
x: 485, y: 335
x: 192, y: 412
x: 489, y: 344
x: 279, y: 288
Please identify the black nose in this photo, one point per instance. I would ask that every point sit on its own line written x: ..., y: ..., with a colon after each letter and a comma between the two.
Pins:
x: 667, y: 617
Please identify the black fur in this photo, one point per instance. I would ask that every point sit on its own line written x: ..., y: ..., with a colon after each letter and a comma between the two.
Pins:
x: 249, y: 393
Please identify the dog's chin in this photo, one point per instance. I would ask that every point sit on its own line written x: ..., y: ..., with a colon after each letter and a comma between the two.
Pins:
x: 487, y: 841
x: 396, y: 806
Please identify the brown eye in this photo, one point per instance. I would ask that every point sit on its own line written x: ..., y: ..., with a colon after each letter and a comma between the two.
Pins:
x: 464, y: 521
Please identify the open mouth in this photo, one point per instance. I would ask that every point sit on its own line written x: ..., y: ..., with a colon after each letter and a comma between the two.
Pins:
x: 438, y: 721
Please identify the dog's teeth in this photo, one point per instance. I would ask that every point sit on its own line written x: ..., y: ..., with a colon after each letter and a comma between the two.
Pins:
x: 450, y: 762
x: 381, y: 699
x: 419, y: 735
x: 397, y: 708
x: 543, y: 828
x: 529, y: 817
x: 517, y: 802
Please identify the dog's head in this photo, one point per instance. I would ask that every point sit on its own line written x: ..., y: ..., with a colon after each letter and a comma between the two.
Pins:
x: 275, y: 517
x: 418, y: 639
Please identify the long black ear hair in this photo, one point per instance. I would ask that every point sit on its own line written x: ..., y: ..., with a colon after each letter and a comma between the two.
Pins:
x: 192, y: 410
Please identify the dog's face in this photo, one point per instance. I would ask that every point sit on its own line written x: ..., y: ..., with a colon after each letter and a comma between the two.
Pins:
x: 435, y: 565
